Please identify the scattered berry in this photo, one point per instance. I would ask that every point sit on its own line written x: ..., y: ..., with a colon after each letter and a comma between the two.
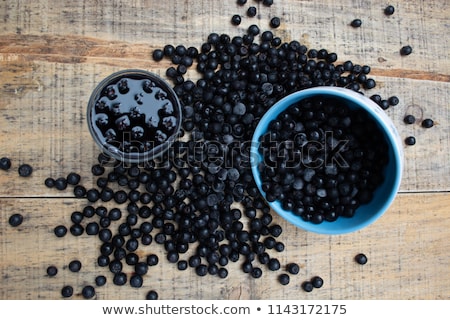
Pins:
x: 152, y: 295
x: 410, y: 141
x: 307, y: 286
x: 275, y: 22
x: 409, y: 119
x: 389, y: 10
x: 356, y: 23
x: 284, y: 279
x: 67, y: 291
x: 427, y: 123
x: 406, y: 50
x: 293, y: 268
x: 25, y: 170
x: 15, y: 220
x: 361, y: 258
x: 88, y: 292
x: 52, y: 271
x: 236, y: 19
x: 317, y: 282
x: 5, y: 163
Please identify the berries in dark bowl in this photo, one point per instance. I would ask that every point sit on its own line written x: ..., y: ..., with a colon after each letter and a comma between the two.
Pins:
x: 134, y: 116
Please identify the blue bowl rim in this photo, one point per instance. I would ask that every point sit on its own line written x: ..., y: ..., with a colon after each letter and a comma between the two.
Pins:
x: 384, y: 122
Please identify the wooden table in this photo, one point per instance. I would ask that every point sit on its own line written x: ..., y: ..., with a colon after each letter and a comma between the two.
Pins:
x: 53, y: 54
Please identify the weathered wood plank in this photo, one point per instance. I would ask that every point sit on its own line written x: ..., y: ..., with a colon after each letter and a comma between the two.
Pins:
x: 407, y: 251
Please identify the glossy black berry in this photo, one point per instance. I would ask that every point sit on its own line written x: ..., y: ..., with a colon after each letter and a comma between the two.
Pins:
x: 427, y: 123
x: 317, y: 282
x: 251, y: 11
x: 284, y: 279
x: 393, y: 101
x: 158, y: 55
x: 410, y: 141
x: 5, y: 163
x: 356, y: 23
x: 79, y: 191
x: 15, y: 220
x: 61, y: 183
x: 92, y: 228
x: 120, y: 196
x: 100, y: 281
x: 201, y: 270
x: 274, y: 264
x: 75, y: 266
x: 370, y: 83
x: 236, y: 19
x: 307, y: 286
x: 409, y: 119
x: 76, y: 229
x: 97, y: 170
x: 93, y: 195
x: 120, y: 279
x: 389, y: 10
x: 293, y: 268
x: 52, y: 271
x: 49, y: 182
x: 88, y: 292
x: 136, y: 281
x: 73, y: 178
x: 152, y: 259
x: 275, y: 22
x: 25, y: 170
x: 406, y: 50
x: 151, y: 295
x: 67, y: 291
x: 361, y: 258
x: 60, y: 231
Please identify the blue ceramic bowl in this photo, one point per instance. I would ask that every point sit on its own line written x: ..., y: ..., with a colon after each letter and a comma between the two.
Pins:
x: 383, y: 197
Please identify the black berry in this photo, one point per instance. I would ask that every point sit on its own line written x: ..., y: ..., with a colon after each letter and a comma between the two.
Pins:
x: 317, y: 282
x: 100, y: 281
x: 293, y: 268
x: 236, y: 19
x: 284, y: 279
x: 389, y: 10
x: 75, y: 266
x: 427, y: 123
x: 356, y: 23
x: 88, y: 292
x: 275, y: 22
x: 152, y: 295
x: 136, y: 281
x: 361, y: 258
x: 25, y: 170
x: 15, y: 219
x: 409, y: 119
x: 251, y: 11
x: 52, y: 271
x: 406, y: 50
x: 49, y: 182
x: 67, y: 291
x: 73, y: 178
x: 307, y: 286
x: 410, y: 141
x: 60, y: 231
x: 5, y: 163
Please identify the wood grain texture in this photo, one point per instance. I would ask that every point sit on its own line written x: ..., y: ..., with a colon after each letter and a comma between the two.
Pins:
x: 54, y: 53
x: 407, y: 253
